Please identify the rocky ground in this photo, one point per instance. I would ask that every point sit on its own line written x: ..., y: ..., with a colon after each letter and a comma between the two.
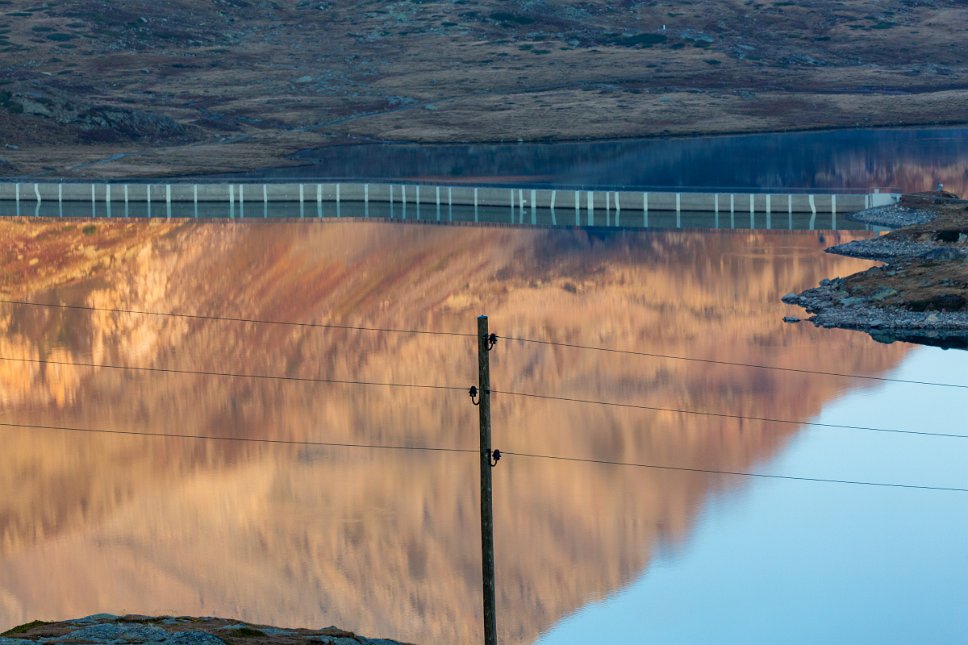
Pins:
x: 140, y: 88
x: 921, y: 293
x: 105, y: 629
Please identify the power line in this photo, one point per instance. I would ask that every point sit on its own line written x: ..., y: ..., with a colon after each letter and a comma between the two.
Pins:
x: 723, y: 415
x: 287, y: 442
x: 465, y: 335
x: 453, y: 388
x: 270, y: 377
x: 736, y: 473
x: 256, y: 321
x: 292, y: 442
x: 711, y: 361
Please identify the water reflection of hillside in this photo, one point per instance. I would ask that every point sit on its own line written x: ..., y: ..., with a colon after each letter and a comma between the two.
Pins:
x: 907, y: 159
x: 386, y: 543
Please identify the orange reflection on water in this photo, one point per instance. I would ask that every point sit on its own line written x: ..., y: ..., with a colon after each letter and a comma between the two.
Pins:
x: 382, y: 542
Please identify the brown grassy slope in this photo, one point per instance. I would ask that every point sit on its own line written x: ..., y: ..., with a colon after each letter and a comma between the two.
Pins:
x: 916, y: 283
x: 300, y: 536
x: 227, y: 85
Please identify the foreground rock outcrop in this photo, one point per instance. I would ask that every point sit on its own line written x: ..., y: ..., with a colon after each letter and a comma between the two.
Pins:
x: 921, y: 294
x: 104, y: 629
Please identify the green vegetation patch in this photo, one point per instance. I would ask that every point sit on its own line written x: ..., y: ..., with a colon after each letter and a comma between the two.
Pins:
x: 638, y: 40
x: 23, y: 629
x: 10, y: 105
x: 506, y: 18
x: 90, y: 229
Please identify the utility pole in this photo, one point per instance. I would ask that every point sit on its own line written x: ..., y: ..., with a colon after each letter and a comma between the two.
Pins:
x: 485, y: 342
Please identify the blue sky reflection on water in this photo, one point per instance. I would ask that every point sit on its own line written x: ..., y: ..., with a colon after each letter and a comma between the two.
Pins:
x: 794, y: 562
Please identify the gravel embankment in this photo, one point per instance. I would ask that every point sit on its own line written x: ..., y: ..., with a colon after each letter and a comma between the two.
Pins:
x: 893, y: 216
x: 887, y: 250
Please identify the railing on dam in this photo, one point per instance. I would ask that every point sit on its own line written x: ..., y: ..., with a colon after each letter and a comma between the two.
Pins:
x: 442, y: 203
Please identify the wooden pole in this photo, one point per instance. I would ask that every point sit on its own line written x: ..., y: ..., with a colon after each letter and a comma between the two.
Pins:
x: 487, y: 514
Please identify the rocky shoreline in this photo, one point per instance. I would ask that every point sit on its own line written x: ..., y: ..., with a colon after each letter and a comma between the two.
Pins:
x: 107, y: 629
x: 919, y: 295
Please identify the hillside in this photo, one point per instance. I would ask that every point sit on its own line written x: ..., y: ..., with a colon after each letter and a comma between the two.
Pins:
x: 94, y: 87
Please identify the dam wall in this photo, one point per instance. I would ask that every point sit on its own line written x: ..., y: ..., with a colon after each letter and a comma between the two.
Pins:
x: 536, y: 205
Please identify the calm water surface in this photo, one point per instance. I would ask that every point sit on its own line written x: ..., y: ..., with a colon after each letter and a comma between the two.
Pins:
x: 386, y: 542
x: 796, y: 563
x: 904, y: 159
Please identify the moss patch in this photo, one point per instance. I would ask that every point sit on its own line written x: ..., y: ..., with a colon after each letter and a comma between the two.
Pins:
x: 23, y: 629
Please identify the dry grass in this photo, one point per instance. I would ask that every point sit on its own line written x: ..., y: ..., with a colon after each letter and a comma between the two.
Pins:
x: 244, y: 87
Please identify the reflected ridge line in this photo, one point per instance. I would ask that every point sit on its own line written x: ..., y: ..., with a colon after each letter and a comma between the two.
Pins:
x: 465, y: 335
x: 724, y: 415
x: 734, y: 472
x: 287, y: 442
x: 268, y: 377
x: 730, y: 363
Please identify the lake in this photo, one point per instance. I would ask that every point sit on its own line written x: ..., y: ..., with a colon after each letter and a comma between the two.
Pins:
x: 386, y: 542
x: 905, y: 160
